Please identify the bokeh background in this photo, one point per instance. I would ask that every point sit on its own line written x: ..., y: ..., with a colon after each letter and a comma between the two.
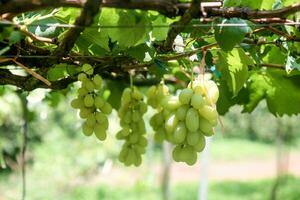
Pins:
x: 250, y: 157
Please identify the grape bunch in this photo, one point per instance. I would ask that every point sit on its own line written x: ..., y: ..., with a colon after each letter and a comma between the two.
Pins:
x: 93, y: 108
x: 156, y: 95
x: 133, y: 129
x: 191, y: 117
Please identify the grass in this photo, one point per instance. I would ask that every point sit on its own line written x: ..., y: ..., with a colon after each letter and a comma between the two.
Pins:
x: 229, y: 190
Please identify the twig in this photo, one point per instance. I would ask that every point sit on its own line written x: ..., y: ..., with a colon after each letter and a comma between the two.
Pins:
x: 30, y: 71
x: 191, y: 13
x: 89, y: 11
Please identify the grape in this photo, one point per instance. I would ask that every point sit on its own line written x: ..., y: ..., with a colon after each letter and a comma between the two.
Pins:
x: 82, y: 77
x: 97, y: 80
x: 197, y: 101
x: 99, y: 102
x: 88, y: 69
x: 181, y: 112
x: 192, y: 120
x: 195, y: 117
x: 180, y: 133
x: 106, y: 108
x: 88, y: 100
x: 87, y: 130
x: 131, y: 114
x: 93, y: 108
x: 185, y: 95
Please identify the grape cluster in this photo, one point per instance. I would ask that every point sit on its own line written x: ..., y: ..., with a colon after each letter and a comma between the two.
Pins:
x: 155, y: 96
x: 133, y: 129
x: 192, y: 115
x: 93, y: 108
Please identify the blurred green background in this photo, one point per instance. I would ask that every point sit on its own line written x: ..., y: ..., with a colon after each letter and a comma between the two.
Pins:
x: 252, y: 157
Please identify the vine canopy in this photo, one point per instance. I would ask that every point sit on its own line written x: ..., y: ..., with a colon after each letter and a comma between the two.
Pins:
x: 252, y: 48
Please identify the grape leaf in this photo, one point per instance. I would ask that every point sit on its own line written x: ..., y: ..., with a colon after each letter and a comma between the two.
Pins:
x: 281, y: 92
x: 274, y: 56
x: 116, y: 88
x: 228, y: 36
x: 234, y: 68
x: 254, y: 4
x: 291, y: 64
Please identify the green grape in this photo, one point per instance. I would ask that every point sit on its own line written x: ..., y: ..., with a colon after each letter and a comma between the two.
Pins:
x: 133, y: 127
x: 171, y: 103
x: 209, y: 113
x: 185, y: 95
x: 171, y: 123
x: 205, y: 127
x: 91, y: 120
x: 191, y: 158
x: 106, y: 108
x: 97, y: 81
x: 88, y: 69
x: 88, y: 100
x: 192, y: 120
x: 99, y: 102
x: 89, y: 86
x: 82, y: 91
x: 100, y: 132
x: 176, y: 154
x: 179, y: 133
x: 193, y: 138
x: 200, y: 144
x: 181, y: 112
x: 76, y: 103
x: 212, y: 91
x: 197, y: 101
x: 87, y: 130
x: 159, y: 135
x: 82, y: 77
x: 84, y: 113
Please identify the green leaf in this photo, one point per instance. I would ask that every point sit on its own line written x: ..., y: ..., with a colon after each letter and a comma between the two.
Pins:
x: 234, y: 68
x: 275, y: 56
x: 116, y: 88
x: 254, y: 4
x: 57, y: 72
x: 139, y: 52
x: 281, y: 92
x: 291, y: 64
x: 130, y: 26
x: 229, y: 36
x: 15, y: 36
x: 160, y: 33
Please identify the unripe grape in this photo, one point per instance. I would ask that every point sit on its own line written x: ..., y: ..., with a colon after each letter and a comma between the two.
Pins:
x: 171, y: 123
x: 76, y: 103
x: 82, y: 91
x: 193, y: 138
x: 185, y: 95
x: 84, y: 113
x: 192, y: 120
x: 181, y: 112
x: 197, y: 101
x: 212, y: 91
x: 88, y: 100
x: 97, y: 81
x: 208, y: 113
x: 137, y: 95
x: 176, y: 154
x: 100, y: 132
x: 89, y: 86
x: 99, y: 102
x: 205, y: 127
x: 142, y: 107
x: 171, y: 103
x: 88, y: 69
x: 87, y: 130
x: 200, y: 144
x: 106, y: 108
x: 91, y: 121
x: 179, y: 133
x: 82, y: 77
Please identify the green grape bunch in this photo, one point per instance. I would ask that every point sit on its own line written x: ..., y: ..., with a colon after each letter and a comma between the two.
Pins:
x: 133, y: 129
x: 155, y: 96
x: 92, y: 106
x: 192, y: 116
